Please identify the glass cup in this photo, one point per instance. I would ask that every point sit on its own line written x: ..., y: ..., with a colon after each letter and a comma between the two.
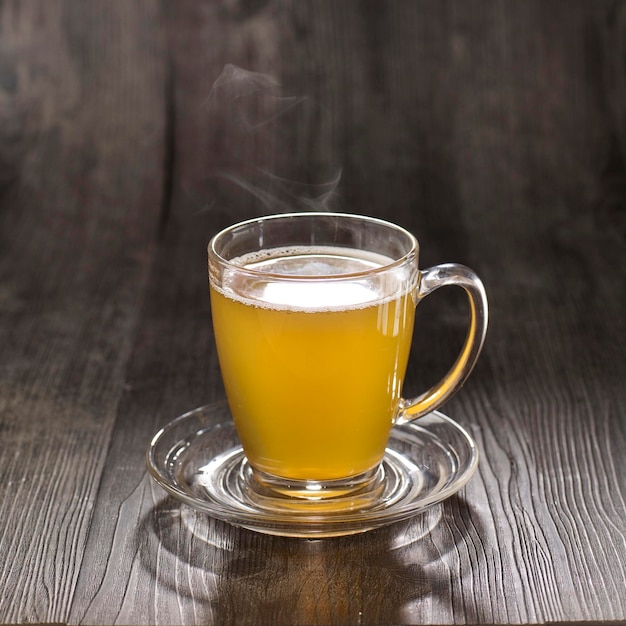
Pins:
x: 313, y: 317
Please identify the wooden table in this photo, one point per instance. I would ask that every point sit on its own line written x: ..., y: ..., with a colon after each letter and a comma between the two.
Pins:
x: 494, y: 130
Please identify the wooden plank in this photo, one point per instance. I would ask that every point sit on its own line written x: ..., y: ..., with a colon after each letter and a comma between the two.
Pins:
x: 82, y: 154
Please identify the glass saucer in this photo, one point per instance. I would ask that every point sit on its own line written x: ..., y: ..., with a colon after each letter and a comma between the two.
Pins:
x: 198, y: 459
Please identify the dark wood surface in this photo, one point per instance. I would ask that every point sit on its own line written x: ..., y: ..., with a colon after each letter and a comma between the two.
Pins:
x: 494, y: 130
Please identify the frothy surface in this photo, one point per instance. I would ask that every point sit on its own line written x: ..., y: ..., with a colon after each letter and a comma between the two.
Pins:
x: 317, y: 283
x: 313, y: 262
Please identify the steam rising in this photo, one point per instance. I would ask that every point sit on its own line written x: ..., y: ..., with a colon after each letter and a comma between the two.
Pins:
x: 263, y: 148
x: 254, y: 97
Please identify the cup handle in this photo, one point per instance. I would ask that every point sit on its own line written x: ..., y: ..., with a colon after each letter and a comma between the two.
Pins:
x: 431, y: 279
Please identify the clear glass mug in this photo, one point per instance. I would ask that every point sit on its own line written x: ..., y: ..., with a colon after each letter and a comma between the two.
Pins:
x: 313, y: 317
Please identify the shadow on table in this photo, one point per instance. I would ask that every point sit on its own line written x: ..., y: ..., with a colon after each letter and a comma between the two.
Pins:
x: 231, y: 575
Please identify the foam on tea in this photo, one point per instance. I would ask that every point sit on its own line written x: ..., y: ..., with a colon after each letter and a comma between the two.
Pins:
x: 317, y: 291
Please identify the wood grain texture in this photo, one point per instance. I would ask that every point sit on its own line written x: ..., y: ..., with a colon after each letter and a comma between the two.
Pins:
x: 494, y: 130
x: 82, y: 154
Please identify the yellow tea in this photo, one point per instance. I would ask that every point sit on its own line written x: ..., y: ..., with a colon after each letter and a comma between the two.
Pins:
x: 313, y: 368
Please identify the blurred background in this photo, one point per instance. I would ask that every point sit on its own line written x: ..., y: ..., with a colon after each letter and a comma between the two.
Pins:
x: 494, y: 130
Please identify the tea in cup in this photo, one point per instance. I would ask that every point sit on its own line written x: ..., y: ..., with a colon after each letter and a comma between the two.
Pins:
x: 313, y: 315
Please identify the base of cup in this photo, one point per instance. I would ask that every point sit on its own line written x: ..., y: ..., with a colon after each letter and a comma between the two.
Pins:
x: 346, y: 494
